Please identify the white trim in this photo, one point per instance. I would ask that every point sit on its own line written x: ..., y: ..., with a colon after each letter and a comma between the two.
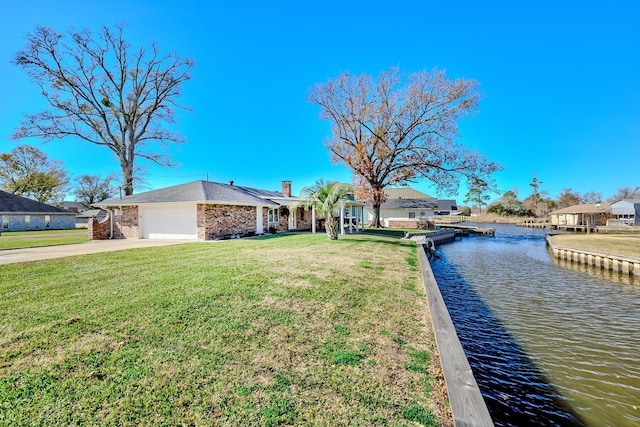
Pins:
x: 313, y: 219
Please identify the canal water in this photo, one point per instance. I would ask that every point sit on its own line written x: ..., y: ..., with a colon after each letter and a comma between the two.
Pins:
x: 550, y: 343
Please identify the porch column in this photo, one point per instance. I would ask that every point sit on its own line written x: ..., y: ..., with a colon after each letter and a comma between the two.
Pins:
x: 350, y: 218
x: 259, y: 220
x: 341, y: 218
x: 313, y: 219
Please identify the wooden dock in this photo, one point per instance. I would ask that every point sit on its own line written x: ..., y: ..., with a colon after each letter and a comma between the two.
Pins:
x: 438, y: 237
x: 469, y: 229
x: 528, y: 224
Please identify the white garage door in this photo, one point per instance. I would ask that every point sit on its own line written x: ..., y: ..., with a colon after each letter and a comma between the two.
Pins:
x: 168, y: 222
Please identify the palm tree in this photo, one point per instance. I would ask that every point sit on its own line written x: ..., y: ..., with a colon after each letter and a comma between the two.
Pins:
x: 327, y: 198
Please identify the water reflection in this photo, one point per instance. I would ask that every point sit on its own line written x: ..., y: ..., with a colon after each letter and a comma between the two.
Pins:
x: 525, y: 319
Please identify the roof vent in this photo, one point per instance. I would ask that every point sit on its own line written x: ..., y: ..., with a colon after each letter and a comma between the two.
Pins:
x: 231, y: 182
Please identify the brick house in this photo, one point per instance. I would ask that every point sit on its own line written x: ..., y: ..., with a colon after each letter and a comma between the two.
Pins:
x: 18, y: 213
x: 200, y: 210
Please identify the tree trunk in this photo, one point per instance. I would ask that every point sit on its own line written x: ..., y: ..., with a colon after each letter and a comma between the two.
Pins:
x: 377, y: 200
x: 127, y: 176
x: 375, y: 223
x: 331, y: 224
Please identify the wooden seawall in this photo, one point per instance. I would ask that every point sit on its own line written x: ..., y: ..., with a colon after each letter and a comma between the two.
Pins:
x: 617, y: 263
x: 467, y: 404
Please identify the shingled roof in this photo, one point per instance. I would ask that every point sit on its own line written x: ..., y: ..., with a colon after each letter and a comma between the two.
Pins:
x: 13, y: 204
x: 405, y: 193
x: 411, y: 204
x: 594, y: 208
x: 200, y: 192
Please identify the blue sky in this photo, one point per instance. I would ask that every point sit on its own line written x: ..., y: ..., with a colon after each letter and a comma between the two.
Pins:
x: 560, y: 83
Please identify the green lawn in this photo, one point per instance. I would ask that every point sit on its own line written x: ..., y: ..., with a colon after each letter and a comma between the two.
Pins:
x: 290, y: 330
x: 31, y: 239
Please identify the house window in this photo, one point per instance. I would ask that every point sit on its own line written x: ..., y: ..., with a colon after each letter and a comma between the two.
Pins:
x: 27, y: 222
x: 273, y: 215
x: 5, y: 222
x: 301, y: 214
x: 412, y: 215
x: 47, y: 221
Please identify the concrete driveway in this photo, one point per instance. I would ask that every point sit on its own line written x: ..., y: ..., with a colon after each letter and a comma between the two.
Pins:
x: 92, y: 247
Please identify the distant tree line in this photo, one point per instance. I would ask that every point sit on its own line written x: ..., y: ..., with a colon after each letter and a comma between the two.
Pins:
x: 538, y: 204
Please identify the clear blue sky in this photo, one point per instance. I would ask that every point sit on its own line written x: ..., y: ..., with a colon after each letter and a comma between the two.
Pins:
x: 560, y: 83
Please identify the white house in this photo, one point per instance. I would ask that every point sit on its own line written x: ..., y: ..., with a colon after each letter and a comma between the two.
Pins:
x: 404, y: 207
x: 626, y: 211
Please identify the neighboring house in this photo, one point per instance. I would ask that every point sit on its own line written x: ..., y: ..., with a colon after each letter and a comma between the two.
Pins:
x: 83, y: 218
x: 201, y: 210
x: 581, y: 215
x: 626, y: 212
x: 18, y: 213
x: 447, y: 207
x: 405, y: 207
x: 76, y: 207
x: 83, y: 215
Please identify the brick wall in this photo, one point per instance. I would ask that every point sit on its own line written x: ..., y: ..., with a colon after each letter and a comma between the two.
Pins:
x: 303, y: 219
x: 218, y: 221
x: 38, y: 222
x: 99, y: 230
x: 125, y: 225
x: 283, y: 219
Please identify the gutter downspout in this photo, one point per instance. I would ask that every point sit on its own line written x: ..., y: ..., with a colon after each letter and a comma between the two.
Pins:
x: 110, y: 222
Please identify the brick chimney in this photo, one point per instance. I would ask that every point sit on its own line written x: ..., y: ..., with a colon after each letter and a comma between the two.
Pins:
x: 286, y: 188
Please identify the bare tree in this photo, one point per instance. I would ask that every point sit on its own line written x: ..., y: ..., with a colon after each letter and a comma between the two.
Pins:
x: 105, y: 92
x: 392, y: 134
x: 625, y: 193
x: 92, y: 189
x: 591, y: 197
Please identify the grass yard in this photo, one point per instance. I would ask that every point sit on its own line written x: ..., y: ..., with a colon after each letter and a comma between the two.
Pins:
x: 288, y: 330
x: 627, y: 244
x: 32, y: 239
